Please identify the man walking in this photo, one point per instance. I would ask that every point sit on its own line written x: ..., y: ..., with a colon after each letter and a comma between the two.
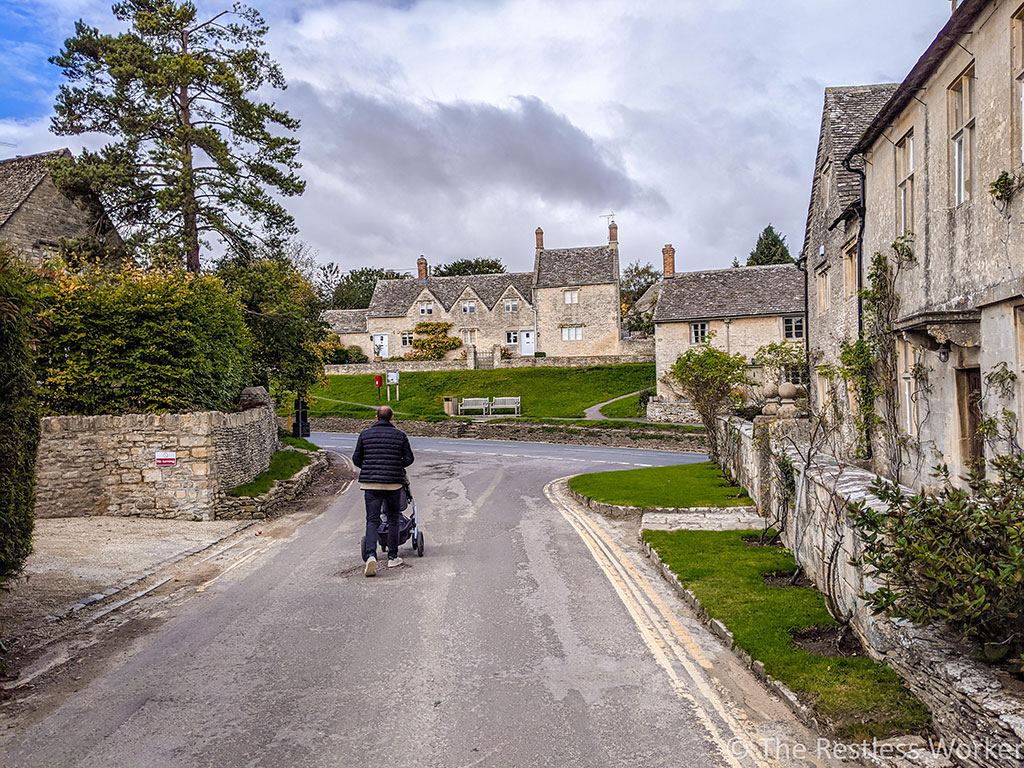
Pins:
x: 382, y: 454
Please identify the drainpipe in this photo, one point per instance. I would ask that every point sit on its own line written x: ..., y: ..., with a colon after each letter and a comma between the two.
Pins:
x: 801, y: 264
x: 861, y: 211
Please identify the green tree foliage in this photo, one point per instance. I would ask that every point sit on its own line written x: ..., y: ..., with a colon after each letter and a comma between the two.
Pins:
x: 470, y: 267
x: 336, y: 353
x: 436, y: 342
x: 709, y: 378
x: 781, y: 360
x: 282, y: 312
x: 636, y: 279
x: 19, y: 413
x: 355, y: 289
x: 132, y: 341
x: 771, y: 248
x: 955, y: 557
x: 192, y: 154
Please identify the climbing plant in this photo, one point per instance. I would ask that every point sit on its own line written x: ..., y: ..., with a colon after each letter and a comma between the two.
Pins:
x: 433, y: 342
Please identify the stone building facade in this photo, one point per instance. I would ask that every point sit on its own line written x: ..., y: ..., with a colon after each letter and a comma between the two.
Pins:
x: 568, y: 306
x: 954, y: 126
x: 34, y: 215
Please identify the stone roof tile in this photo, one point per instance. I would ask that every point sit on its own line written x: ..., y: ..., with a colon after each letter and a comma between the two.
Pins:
x: 593, y: 265
x: 392, y: 298
x: 345, y: 320
x: 774, y: 289
x: 19, y: 176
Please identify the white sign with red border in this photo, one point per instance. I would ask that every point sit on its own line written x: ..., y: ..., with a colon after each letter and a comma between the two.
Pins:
x: 166, y: 458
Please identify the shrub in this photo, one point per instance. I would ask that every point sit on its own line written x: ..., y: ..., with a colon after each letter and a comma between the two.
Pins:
x: 335, y: 353
x: 19, y: 414
x: 644, y: 398
x: 133, y: 341
x: 708, y: 378
x: 955, y: 557
x: 436, y: 344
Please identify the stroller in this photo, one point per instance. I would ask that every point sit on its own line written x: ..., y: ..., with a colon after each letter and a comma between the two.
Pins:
x: 408, y: 529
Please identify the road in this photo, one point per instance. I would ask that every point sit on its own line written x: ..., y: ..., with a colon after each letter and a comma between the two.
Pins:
x: 527, y: 636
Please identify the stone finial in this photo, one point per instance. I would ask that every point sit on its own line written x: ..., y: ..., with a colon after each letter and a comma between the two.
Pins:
x: 668, y: 257
x: 421, y: 267
x: 254, y: 397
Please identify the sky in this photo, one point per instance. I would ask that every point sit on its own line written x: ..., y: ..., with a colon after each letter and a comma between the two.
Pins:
x: 454, y: 129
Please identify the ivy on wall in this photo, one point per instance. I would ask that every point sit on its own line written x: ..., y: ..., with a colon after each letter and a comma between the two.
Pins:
x: 433, y: 341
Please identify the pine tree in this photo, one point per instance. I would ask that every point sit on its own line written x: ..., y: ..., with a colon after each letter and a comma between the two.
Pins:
x: 770, y: 249
x: 192, y: 153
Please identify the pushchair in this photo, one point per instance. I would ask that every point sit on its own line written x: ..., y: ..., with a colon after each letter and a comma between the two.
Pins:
x: 408, y: 528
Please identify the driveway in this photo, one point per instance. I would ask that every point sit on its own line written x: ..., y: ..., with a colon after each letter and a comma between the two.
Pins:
x: 511, y: 643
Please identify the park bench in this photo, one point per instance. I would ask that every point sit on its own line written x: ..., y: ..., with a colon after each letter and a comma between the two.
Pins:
x: 481, y: 404
x: 506, y: 403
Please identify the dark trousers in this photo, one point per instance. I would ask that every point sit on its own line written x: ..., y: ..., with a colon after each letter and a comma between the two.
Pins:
x: 377, y: 503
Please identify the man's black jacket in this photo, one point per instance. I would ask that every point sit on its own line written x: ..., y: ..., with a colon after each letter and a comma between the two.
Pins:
x: 382, y: 454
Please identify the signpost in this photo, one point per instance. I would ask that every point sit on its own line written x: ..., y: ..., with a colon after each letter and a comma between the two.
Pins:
x: 166, y: 458
x: 393, y: 379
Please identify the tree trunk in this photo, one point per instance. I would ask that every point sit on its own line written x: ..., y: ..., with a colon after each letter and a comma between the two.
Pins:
x: 189, y: 206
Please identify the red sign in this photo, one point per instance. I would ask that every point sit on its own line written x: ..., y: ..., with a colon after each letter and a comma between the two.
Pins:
x: 166, y: 458
x: 378, y: 381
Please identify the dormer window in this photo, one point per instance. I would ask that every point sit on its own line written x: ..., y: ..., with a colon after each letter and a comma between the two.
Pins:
x: 469, y: 307
x: 426, y: 307
x: 511, y: 305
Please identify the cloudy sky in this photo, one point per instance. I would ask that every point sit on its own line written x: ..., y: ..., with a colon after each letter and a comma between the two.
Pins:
x: 454, y: 129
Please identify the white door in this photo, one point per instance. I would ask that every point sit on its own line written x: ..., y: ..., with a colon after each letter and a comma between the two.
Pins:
x: 526, y: 345
x: 380, y: 345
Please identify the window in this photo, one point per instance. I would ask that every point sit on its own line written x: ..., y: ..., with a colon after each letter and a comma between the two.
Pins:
x: 824, y: 283
x: 850, y: 269
x: 824, y: 391
x: 793, y: 327
x: 511, y: 305
x: 825, y: 182
x: 698, y: 333
x: 961, y: 120
x: 572, y: 296
x: 469, y: 336
x: 908, y: 362
x: 469, y: 307
x: 1018, y: 83
x: 407, y: 339
x: 426, y: 307
x: 905, y: 185
x: 511, y: 337
x: 795, y: 374
x: 572, y: 333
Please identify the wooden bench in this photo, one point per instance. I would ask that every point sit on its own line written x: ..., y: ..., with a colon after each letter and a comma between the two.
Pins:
x: 481, y: 404
x: 506, y: 403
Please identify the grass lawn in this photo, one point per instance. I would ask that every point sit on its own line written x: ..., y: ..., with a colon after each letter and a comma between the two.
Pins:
x: 626, y: 408
x: 862, y: 698
x: 685, y: 485
x: 545, y: 392
x: 299, y: 442
x: 283, y: 465
x: 629, y: 426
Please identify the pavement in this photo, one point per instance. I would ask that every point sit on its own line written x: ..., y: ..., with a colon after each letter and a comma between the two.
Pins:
x: 530, y: 634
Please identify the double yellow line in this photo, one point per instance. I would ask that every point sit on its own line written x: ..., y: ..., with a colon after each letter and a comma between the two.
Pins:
x: 668, y: 640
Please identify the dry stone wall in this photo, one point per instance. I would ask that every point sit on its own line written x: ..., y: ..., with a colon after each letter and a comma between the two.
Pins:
x: 282, y: 493
x: 108, y: 465
x: 583, y: 361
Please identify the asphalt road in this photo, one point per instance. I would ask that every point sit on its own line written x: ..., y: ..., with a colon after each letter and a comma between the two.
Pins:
x: 511, y: 643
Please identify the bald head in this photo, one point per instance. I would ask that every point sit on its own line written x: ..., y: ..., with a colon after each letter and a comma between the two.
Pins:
x: 384, y: 413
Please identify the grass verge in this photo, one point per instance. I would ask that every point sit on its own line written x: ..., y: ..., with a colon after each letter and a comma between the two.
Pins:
x: 684, y: 485
x: 629, y: 426
x: 626, y: 408
x: 283, y: 464
x: 861, y: 698
x: 299, y: 442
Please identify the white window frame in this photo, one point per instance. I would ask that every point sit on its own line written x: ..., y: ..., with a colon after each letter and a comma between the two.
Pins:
x: 469, y: 307
x: 962, y: 123
x: 698, y: 333
x: 572, y: 333
x: 824, y: 285
x: 407, y: 337
x: 426, y: 307
x: 1018, y: 81
x: 511, y: 337
x: 905, y: 184
x: 572, y: 295
x: 790, y: 332
x: 511, y: 305
x: 825, y: 180
x: 469, y: 336
x: 850, y: 269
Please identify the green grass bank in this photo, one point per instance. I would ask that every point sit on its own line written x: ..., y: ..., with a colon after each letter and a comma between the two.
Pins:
x: 684, y: 485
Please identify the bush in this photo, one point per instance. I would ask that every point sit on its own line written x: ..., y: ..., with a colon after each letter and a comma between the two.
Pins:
x: 955, y: 557
x: 19, y: 414
x: 644, y: 398
x: 336, y: 353
x: 133, y: 341
x: 709, y: 378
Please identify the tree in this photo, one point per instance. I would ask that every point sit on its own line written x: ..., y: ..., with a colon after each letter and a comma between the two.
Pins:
x: 469, y: 267
x: 355, y: 289
x: 770, y: 249
x: 709, y: 378
x: 192, y: 153
x: 282, y: 311
x: 636, y: 279
x: 782, y: 361
x: 19, y: 413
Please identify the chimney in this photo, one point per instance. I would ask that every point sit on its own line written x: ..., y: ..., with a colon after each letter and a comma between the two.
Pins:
x: 421, y: 267
x: 613, y: 233
x: 540, y: 239
x: 668, y: 256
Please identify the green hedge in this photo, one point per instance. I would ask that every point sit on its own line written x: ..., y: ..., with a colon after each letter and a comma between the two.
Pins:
x: 142, y: 342
x: 19, y: 415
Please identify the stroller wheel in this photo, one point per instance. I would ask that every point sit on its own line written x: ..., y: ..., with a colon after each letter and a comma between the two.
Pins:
x: 419, y: 544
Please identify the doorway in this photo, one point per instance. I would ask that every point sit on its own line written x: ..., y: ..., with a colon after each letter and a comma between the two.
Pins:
x: 968, y: 398
x: 527, y: 347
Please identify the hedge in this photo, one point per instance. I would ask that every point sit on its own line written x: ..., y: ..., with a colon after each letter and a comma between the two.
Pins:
x: 19, y: 414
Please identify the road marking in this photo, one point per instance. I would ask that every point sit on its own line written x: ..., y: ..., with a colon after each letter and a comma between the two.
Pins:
x: 664, y: 635
x: 202, y: 587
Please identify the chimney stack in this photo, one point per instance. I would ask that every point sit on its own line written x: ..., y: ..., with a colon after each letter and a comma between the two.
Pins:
x: 540, y: 239
x: 668, y: 255
x: 613, y: 233
x: 421, y: 267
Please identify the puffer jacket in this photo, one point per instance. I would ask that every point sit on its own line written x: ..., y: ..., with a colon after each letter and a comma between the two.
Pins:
x: 382, y: 454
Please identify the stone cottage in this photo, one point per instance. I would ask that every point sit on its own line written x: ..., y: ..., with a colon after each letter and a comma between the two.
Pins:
x: 34, y: 215
x: 568, y: 306
x: 953, y: 127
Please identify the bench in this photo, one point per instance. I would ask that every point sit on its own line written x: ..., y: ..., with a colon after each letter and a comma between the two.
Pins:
x: 505, y: 403
x: 481, y: 404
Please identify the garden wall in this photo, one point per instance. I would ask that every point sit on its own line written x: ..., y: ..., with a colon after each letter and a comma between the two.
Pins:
x: 582, y: 361
x: 673, y: 413
x: 460, y: 365
x: 404, y: 366
x: 973, y: 705
x: 107, y: 465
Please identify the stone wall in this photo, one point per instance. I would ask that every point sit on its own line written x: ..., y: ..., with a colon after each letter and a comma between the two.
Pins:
x: 106, y: 465
x: 405, y: 366
x: 971, y: 703
x: 37, y: 226
x: 282, y: 493
x: 597, y: 313
x: 584, y: 361
x: 681, y: 412
x: 458, y: 365
x: 631, y: 346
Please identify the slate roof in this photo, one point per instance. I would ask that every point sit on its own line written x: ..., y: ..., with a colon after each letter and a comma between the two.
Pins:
x: 594, y: 265
x: 19, y: 176
x: 774, y: 289
x: 849, y: 111
x: 392, y: 298
x: 345, y: 320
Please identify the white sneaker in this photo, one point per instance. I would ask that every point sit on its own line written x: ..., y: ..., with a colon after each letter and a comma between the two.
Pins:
x: 395, y: 562
x: 371, y: 566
